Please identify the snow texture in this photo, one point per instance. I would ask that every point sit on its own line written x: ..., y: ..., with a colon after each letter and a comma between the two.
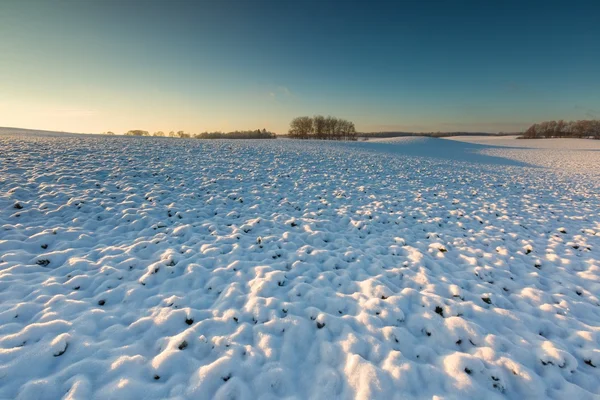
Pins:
x: 153, y: 268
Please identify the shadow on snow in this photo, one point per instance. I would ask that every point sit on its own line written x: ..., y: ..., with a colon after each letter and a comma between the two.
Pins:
x: 442, y: 149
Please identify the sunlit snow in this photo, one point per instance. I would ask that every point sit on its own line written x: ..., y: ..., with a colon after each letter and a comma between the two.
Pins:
x: 160, y: 268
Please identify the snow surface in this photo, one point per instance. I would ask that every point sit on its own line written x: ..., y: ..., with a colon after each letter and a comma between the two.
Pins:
x: 569, y: 155
x: 157, y: 268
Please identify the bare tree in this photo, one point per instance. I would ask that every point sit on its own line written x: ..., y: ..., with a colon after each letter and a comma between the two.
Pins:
x: 560, y: 128
x: 252, y: 134
x: 301, y: 127
x: 531, y: 132
x: 347, y: 130
x: 322, y: 128
x: 319, y: 127
x: 595, y: 129
x: 137, y: 132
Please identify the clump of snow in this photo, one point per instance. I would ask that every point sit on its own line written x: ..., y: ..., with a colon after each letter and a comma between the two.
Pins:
x: 141, y: 268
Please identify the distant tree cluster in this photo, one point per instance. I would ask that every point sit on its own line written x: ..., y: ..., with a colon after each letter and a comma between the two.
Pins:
x: 137, y: 132
x: 564, y: 129
x: 172, y: 134
x: 257, y: 134
x: 249, y: 134
x: 322, y: 128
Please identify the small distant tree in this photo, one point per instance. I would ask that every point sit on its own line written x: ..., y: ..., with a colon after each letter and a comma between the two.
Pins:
x: 183, y: 135
x: 330, y: 128
x: 578, y: 129
x: 250, y: 134
x: 137, y: 132
x: 158, y: 133
x: 301, y: 127
x: 550, y: 128
x: 595, y: 129
x: 319, y: 127
x: 531, y: 132
x: 347, y: 130
x: 109, y: 133
x: 559, y: 128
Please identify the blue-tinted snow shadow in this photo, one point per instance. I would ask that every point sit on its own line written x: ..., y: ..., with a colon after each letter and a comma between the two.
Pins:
x: 442, y: 149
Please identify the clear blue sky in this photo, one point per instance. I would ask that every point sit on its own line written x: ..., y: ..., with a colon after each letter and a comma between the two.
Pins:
x: 92, y: 66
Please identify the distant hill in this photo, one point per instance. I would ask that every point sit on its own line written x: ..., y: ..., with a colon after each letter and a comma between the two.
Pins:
x: 33, y: 132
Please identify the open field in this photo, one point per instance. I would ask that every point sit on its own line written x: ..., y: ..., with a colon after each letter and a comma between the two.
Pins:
x: 408, y: 268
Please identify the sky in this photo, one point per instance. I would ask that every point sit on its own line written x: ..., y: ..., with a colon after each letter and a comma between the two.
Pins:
x: 110, y: 65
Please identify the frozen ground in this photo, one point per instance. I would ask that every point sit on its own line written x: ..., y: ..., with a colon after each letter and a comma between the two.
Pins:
x: 154, y: 268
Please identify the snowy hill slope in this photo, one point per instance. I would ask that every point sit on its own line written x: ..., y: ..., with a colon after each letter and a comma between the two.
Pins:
x: 147, y: 268
x: 580, y: 156
x: 20, y: 132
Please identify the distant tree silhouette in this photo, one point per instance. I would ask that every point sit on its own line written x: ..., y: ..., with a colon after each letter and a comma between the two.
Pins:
x: 251, y: 134
x: 557, y: 129
x: 322, y: 128
x: 319, y: 127
x: 301, y: 127
x: 137, y: 132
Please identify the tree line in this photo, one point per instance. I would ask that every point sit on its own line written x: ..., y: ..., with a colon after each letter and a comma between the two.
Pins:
x: 249, y: 134
x: 257, y: 134
x: 322, y: 128
x: 564, y: 129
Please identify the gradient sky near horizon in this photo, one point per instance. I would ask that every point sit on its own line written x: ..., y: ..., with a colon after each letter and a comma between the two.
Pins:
x: 93, y: 66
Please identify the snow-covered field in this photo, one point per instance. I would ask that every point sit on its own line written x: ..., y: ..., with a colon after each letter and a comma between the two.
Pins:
x: 568, y: 155
x: 153, y: 268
